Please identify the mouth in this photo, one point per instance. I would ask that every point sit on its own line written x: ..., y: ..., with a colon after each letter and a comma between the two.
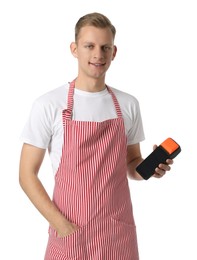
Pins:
x: 97, y: 64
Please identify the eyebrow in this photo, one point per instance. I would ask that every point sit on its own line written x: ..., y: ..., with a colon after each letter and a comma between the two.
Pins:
x: 105, y: 44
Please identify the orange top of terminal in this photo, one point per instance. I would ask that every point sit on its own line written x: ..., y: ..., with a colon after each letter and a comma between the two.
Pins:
x: 170, y: 145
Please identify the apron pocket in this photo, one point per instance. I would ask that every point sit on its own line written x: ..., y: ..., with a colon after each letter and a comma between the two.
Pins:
x: 122, y: 223
x: 72, y: 246
x: 52, y: 232
x: 126, y: 241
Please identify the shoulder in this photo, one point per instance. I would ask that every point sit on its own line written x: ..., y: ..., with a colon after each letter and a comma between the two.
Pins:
x: 54, y: 98
x: 125, y: 99
x: 47, y: 108
x: 129, y: 104
x: 50, y: 104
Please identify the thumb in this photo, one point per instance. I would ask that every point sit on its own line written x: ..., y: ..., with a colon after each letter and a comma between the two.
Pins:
x: 154, y: 147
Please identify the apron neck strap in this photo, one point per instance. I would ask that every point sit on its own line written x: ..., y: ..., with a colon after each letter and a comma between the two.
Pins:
x: 70, y: 102
x: 116, y: 103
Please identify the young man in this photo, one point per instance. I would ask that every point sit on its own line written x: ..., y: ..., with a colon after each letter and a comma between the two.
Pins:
x: 92, y: 133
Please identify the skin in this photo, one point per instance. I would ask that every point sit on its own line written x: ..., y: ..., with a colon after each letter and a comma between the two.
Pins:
x: 94, y: 50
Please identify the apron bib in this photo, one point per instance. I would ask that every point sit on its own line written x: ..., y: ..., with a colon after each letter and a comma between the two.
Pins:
x: 91, y: 190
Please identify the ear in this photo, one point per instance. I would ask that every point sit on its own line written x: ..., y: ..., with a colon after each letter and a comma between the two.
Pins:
x: 73, y: 49
x: 114, y: 52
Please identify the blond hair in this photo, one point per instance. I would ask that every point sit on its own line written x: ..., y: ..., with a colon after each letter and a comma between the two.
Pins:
x: 94, y: 19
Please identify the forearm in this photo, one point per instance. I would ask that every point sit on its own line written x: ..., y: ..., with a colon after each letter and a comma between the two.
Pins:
x: 131, y: 169
x: 30, y: 162
x: 34, y: 189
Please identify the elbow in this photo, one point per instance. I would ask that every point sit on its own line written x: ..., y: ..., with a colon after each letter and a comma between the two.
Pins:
x: 21, y: 179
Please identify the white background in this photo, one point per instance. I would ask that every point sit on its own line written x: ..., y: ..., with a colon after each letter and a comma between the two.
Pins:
x: 156, y: 62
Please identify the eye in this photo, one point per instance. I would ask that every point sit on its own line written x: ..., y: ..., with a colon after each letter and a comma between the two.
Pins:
x: 106, y: 48
x: 89, y: 46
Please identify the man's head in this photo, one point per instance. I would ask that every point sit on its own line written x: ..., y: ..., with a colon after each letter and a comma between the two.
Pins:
x: 94, y: 46
x: 97, y: 20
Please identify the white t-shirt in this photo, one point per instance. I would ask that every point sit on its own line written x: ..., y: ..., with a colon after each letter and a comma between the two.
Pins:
x: 44, y: 128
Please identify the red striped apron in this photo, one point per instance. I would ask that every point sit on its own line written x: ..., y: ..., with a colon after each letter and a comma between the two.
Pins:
x: 92, y: 191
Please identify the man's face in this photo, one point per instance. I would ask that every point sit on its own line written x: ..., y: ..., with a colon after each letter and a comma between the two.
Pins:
x: 94, y: 50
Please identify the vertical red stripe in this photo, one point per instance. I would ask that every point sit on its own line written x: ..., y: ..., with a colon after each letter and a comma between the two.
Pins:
x: 91, y: 190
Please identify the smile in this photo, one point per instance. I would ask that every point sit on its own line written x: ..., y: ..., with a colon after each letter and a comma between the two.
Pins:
x: 97, y: 64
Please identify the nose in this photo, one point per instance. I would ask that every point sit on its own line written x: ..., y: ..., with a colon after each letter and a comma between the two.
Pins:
x: 98, y: 53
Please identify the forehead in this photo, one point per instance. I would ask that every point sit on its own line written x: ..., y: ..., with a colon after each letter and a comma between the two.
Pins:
x: 95, y: 35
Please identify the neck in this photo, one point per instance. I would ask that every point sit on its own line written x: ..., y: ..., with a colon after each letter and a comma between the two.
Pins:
x: 90, y: 85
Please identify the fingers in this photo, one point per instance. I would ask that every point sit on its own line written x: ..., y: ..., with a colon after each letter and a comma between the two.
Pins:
x: 154, y: 147
x: 169, y: 161
x: 161, y: 170
x: 70, y: 229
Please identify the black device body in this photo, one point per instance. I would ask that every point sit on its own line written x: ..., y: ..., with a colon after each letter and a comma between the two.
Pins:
x: 169, y: 149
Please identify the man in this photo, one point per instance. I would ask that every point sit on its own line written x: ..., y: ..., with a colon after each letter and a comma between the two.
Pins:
x: 92, y: 133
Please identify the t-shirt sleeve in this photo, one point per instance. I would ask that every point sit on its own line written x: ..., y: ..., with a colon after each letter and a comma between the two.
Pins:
x: 38, y: 130
x: 136, y: 131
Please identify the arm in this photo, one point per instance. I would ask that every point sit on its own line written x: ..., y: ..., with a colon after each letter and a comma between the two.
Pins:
x: 30, y: 162
x: 134, y: 158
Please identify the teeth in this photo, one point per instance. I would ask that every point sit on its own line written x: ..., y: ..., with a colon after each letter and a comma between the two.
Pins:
x: 97, y: 64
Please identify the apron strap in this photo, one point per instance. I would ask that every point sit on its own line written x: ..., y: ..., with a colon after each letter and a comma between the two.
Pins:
x: 116, y: 103
x: 67, y: 113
